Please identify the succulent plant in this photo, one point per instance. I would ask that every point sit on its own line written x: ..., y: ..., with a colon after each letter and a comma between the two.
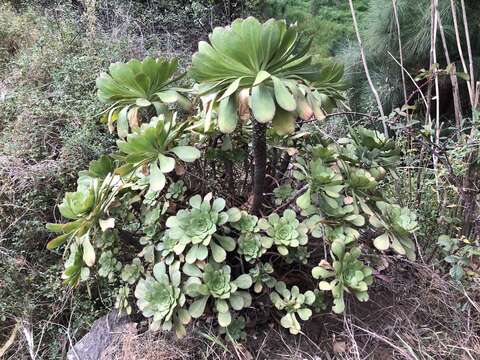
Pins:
x: 153, y: 147
x: 236, y: 330
x: 294, y: 303
x: 127, y: 87
x: 80, y: 203
x: 131, y: 272
x: 399, y: 223
x: 298, y: 255
x: 85, y: 206
x: 176, y: 191
x: 246, y: 223
x: 282, y: 193
x: 265, y: 66
x: 286, y: 231
x: 324, y: 185
x: 100, y: 168
x: 109, y: 265
x: 360, y: 180
x: 169, y: 247
x: 319, y: 304
x: 215, y: 281
x: 345, y: 234
x: 160, y: 297
x: 326, y: 152
x: 349, y: 275
x: 75, y: 270
x: 372, y: 149
x: 198, y: 228
x: 260, y: 275
x: 121, y: 300
x: 462, y: 255
x: 253, y: 245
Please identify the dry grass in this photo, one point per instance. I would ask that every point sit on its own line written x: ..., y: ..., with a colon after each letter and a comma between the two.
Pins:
x: 413, y: 314
x: 155, y: 346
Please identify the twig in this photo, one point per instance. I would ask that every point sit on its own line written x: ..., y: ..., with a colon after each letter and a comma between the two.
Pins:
x: 10, y: 340
x: 29, y: 339
x: 411, y: 78
x: 453, y: 74
x: 469, y: 48
x: 385, y: 340
x: 460, y: 50
x: 400, y: 49
x: 437, y: 95
x: 292, y: 199
x: 365, y: 66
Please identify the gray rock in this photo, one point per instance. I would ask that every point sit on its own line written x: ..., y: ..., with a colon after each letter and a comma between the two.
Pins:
x: 103, y: 332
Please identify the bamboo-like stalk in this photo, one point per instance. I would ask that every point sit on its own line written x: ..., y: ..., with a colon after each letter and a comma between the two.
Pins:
x: 404, y: 86
x: 453, y: 76
x: 400, y: 49
x: 460, y: 50
x: 433, y: 62
x: 365, y: 66
x: 469, y: 51
x: 470, y: 186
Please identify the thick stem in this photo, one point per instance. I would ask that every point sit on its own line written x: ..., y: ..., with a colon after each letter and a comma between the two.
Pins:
x: 229, y: 175
x: 259, y: 144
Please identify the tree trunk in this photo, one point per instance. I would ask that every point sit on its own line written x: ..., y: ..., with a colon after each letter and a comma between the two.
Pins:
x: 259, y: 143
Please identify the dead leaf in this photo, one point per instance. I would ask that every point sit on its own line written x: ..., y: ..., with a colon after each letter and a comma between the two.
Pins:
x: 145, y: 170
x: 347, y: 200
x: 339, y: 347
x: 179, y: 169
x: 133, y: 118
x: 292, y: 151
x: 325, y: 264
x: 243, y: 109
x: 106, y: 224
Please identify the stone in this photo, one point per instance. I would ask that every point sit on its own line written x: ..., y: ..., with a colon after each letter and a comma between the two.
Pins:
x: 103, y: 332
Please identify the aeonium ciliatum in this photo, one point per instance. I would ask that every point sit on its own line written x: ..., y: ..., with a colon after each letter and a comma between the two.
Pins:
x: 174, y: 232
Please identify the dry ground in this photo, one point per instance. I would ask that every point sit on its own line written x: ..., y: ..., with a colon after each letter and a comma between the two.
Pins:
x: 413, y: 313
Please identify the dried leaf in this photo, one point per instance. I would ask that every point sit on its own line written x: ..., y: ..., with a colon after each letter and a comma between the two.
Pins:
x: 133, y: 119
x: 339, y: 347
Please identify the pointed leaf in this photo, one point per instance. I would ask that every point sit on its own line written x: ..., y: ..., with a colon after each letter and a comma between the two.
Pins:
x: 56, y: 242
x: 262, y: 75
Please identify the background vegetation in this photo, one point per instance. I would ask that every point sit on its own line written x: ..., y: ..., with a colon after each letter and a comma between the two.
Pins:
x: 50, y: 54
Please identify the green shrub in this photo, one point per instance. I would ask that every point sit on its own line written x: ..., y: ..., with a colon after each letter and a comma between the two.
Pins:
x: 49, y: 131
